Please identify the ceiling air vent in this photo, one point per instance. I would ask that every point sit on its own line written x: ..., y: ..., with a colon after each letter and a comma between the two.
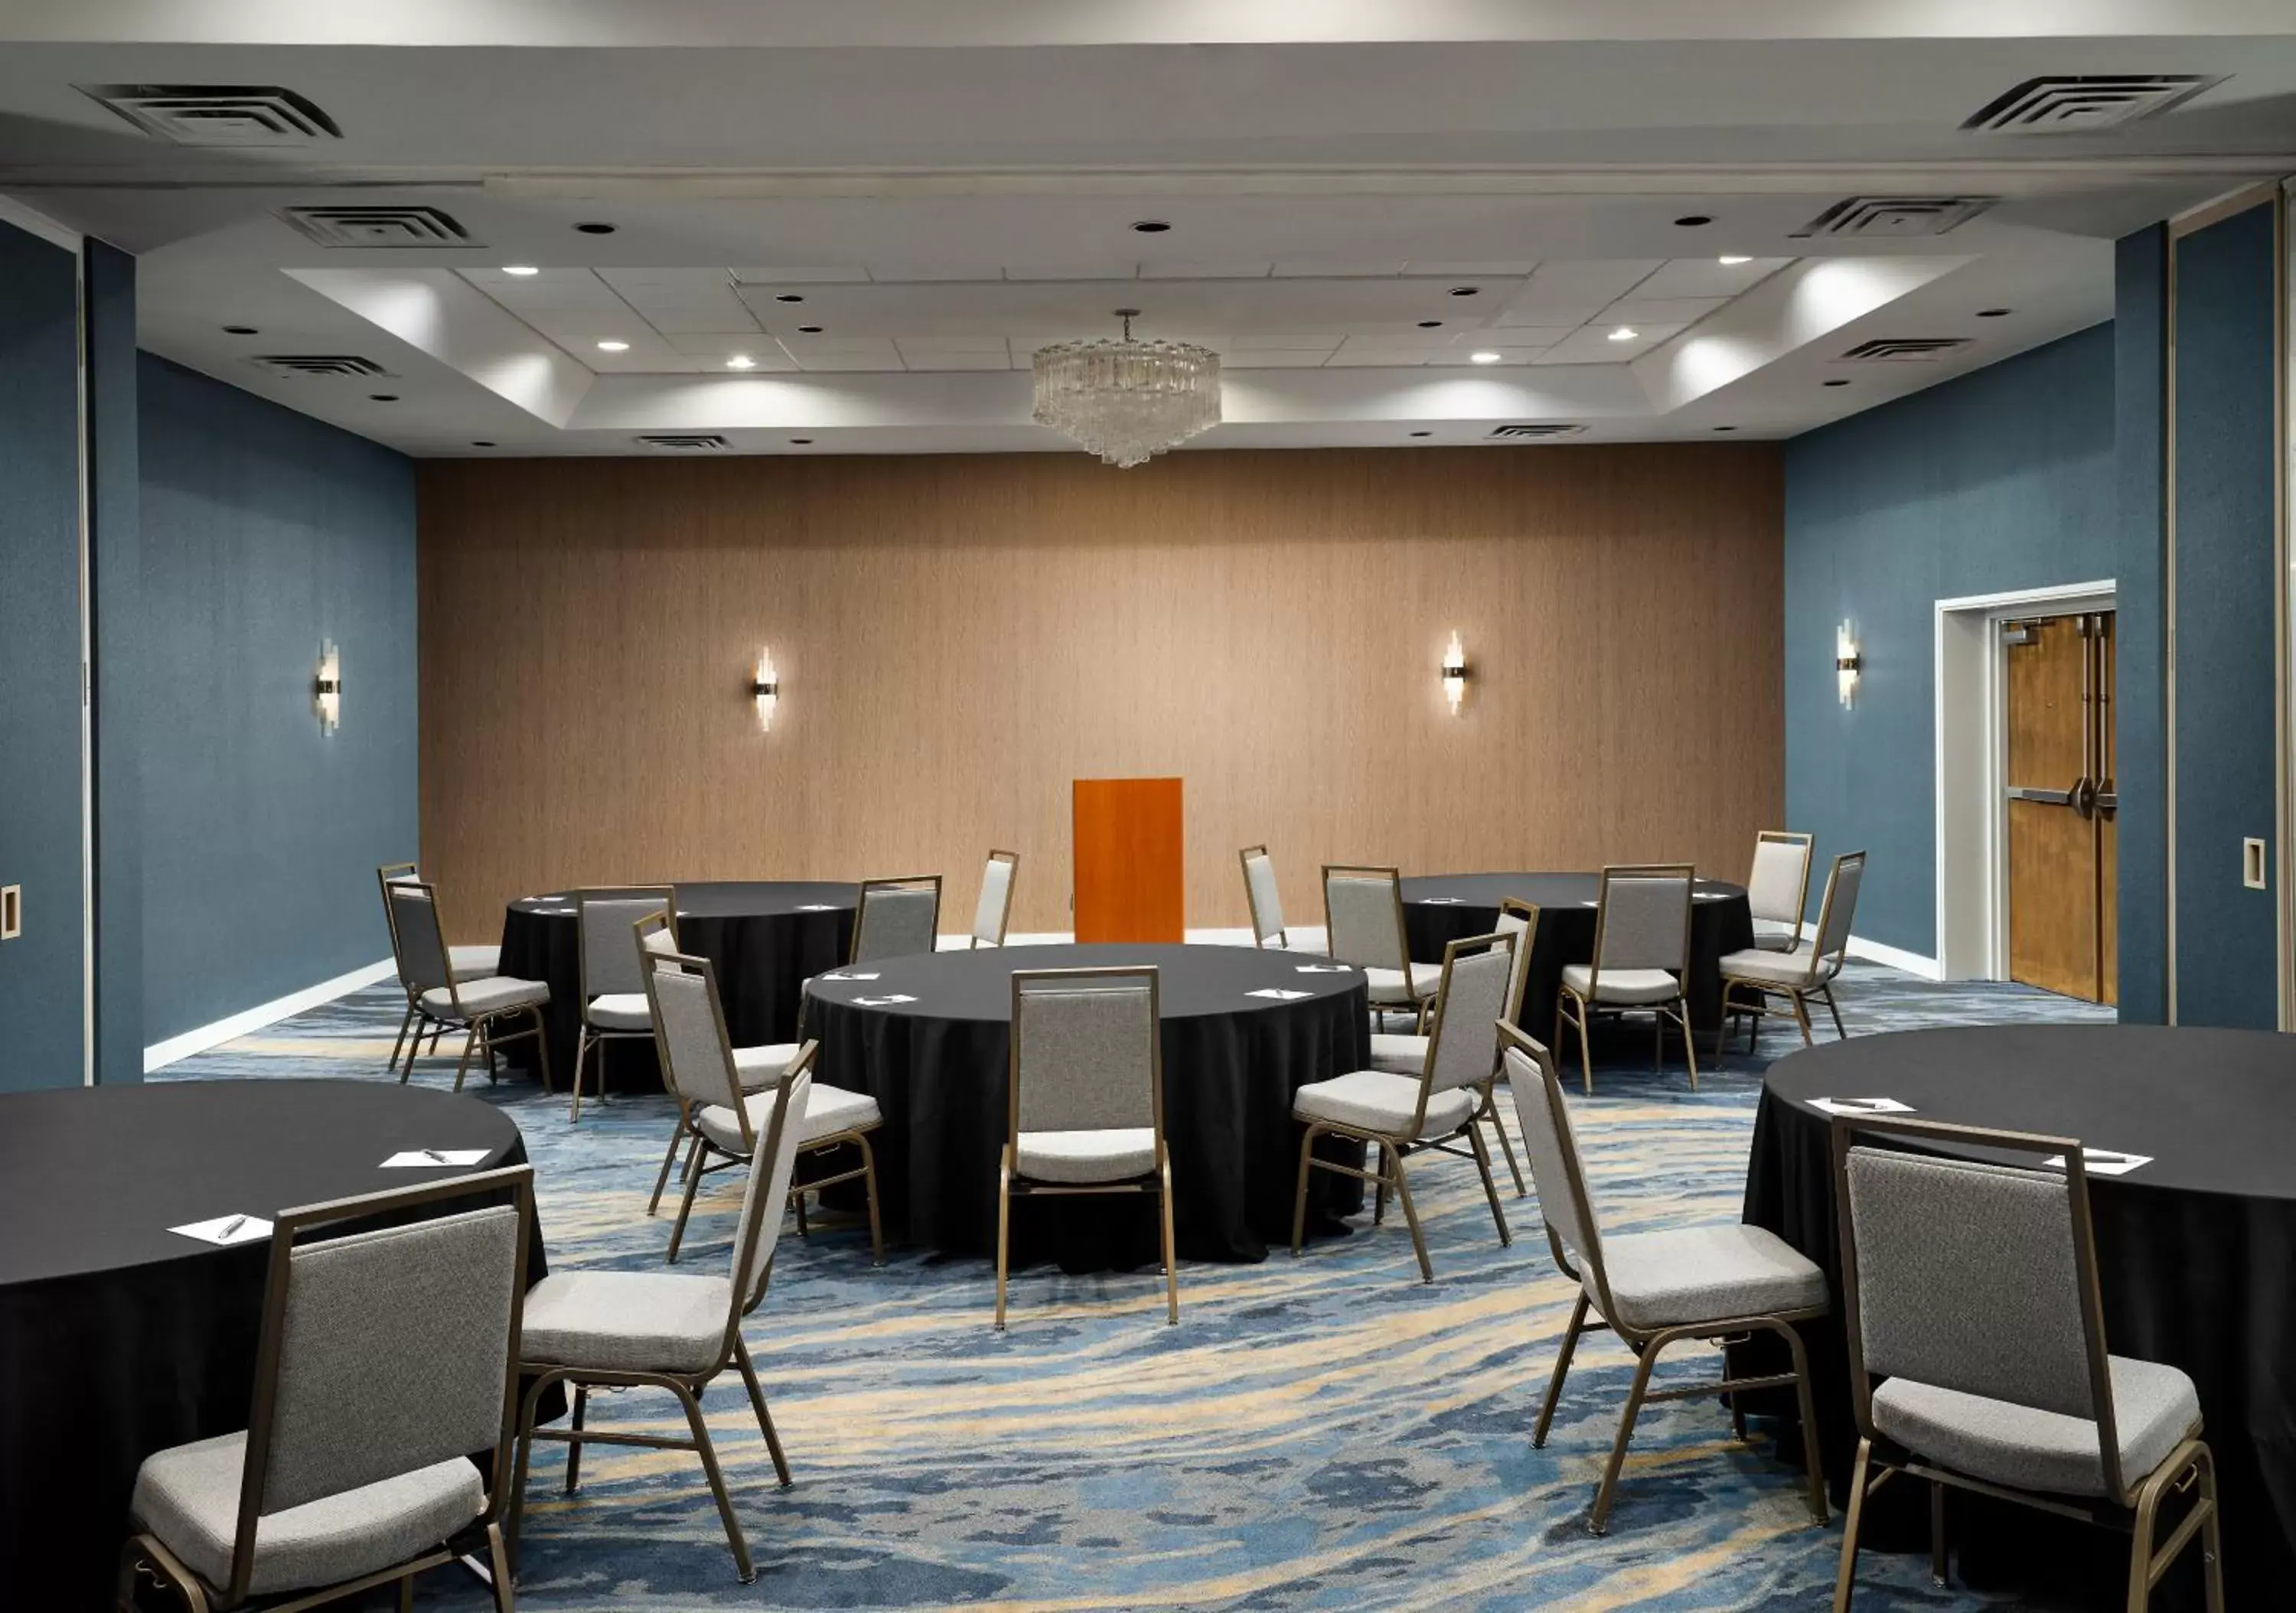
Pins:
x: 687, y: 442
x: 379, y: 226
x: 1896, y: 215
x: 1530, y: 433
x: 1905, y: 349
x: 320, y: 364
x: 217, y: 114
x: 2075, y: 103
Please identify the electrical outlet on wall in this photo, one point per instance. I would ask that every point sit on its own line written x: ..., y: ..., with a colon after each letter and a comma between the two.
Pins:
x: 12, y: 912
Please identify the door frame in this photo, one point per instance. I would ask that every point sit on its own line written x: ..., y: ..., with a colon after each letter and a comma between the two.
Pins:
x: 1971, y: 818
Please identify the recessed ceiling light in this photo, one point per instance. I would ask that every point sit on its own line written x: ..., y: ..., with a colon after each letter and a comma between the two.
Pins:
x: 1465, y: 290
x: 1484, y: 358
x: 1151, y: 226
x: 1993, y: 313
x: 520, y: 269
x: 614, y: 347
x: 482, y: 443
x: 595, y: 229
x: 1430, y: 325
x: 741, y: 361
x: 382, y: 397
x: 809, y: 330
x: 1837, y: 383
x: 1423, y: 434
x: 789, y: 297
x: 1625, y: 333
x: 1731, y: 260
x: 1691, y: 221
x: 241, y: 330
x: 802, y: 442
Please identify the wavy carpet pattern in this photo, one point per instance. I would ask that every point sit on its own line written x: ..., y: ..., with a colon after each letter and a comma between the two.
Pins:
x: 1322, y: 1433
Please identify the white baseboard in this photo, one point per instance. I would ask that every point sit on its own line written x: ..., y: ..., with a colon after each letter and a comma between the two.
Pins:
x: 160, y: 1054
x: 1895, y: 957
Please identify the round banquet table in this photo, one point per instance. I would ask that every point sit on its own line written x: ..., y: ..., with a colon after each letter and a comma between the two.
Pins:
x: 119, y: 1338
x: 936, y: 1063
x: 2196, y: 1250
x: 1441, y: 908
x: 764, y: 937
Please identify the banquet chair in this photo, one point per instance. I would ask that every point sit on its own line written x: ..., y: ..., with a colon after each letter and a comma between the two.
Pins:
x: 1715, y: 1284
x: 1430, y: 1111
x: 672, y: 1330
x: 1754, y: 978
x: 1641, y: 957
x: 725, y: 1096
x: 1362, y: 917
x: 437, y: 1002
x: 1777, y: 890
x: 1971, y: 1290
x: 614, y: 993
x: 1084, y: 1110
x: 1407, y: 1055
x: 472, y: 963
x: 1259, y: 895
x: 385, y: 1358
x: 896, y: 918
x: 995, y: 908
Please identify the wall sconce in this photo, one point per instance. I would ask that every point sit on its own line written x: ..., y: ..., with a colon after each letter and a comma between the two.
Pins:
x: 327, y: 689
x: 1454, y: 673
x: 1847, y: 664
x: 767, y: 686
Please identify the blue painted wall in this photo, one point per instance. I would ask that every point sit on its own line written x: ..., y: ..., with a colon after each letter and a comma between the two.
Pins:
x: 117, y: 675
x: 41, y: 973
x: 2001, y: 479
x: 2140, y: 448
x: 265, y: 531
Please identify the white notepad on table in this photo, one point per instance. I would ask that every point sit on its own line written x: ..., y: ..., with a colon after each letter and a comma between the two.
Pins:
x: 419, y: 1159
x: 1861, y: 1106
x: 1281, y: 993
x: 226, y: 1229
x: 2103, y: 1161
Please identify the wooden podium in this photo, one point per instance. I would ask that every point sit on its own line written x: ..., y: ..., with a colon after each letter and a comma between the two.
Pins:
x: 1131, y: 865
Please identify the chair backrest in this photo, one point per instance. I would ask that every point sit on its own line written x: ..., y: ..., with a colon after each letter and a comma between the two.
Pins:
x: 1259, y: 895
x: 385, y: 1351
x: 1518, y: 919
x: 657, y: 932
x: 1643, y: 921
x: 417, y: 945
x: 767, y: 1197
x: 1363, y: 915
x: 1557, y: 1174
x: 1478, y: 972
x: 688, y: 1031
x: 607, y: 951
x: 995, y: 908
x: 1840, y: 907
x: 1779, y: 885
x: 1965, y: 1276
x: 1087, y: 1051
x: 897, y: 918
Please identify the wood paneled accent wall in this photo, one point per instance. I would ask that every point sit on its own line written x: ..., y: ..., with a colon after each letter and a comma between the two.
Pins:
x: 959, y: 637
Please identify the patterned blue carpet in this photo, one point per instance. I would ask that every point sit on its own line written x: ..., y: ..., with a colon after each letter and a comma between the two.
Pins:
x: 1319, y: 1433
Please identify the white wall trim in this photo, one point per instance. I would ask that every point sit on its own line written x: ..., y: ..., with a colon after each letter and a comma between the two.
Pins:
x: 160, y: 1054
x: 1895, y: 957
x: 38, y: 224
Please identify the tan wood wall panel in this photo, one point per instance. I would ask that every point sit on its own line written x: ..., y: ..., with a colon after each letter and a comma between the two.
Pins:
x: 959, y: 637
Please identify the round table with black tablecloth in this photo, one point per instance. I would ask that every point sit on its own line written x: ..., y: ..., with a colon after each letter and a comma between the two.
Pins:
x: 936, y: 1061
x: 1441, y: 908
x: 119, y: 1338
x: 764, y: 937
x: 2196, y: 1251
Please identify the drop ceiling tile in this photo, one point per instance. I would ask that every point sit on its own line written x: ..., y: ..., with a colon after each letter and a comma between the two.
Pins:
x: 1376, y: 358
x: 1707, y: 277
x: 941, y: 358
x: 775, y: 275
x: 1526, y: 335
x: 1415, y: 341
x: 1639, y: 310
x: 1594, y: 346
x: 1071, y: 271
x: 952, y: 344
x: 1296, y: 341
x: 1568, y: 290
x: 768, y: 354
x: 1462, y: 356
x: 814, y: 362
x: 1515, y: 268
x: 932, y: 273
x: 1205, y: 271
x: 1306, y: 270
x: 650, y: 281
x: 1272, y: 358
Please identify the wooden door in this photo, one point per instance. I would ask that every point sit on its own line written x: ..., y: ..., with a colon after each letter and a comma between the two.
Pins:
x: 2061, y: 804
x: 1131, y: 878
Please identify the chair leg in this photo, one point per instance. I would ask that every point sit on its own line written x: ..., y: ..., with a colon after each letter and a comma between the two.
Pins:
x: 574, y: 1447
x: 685, y: 1204
x: 1004, y: 1229
x: 869, y: 1185
x: 2212, y: 1539
x: 1845, y: 1576
x: 709, y: 1454
x: 404, y: 1025
x: 1833, y: 1008
x: 1807, y: 1406
x: 1724, y: 1018
x: 542, y: 1050
x: 1802, y: 1018
x: 1411, y: 1215
x: 676, y: 1136
x: 1689, y: 1041
x: 1379, y: 1195
x: 765, y: 1418
x: 1561, y: 1367
x: 1598, y: 1522
x: 1490, y: 1187
x: 1937, y: 1533
x: 1490, y: 1112
x: 499, y: 1564
x: 525, y: 1455
x: 1586, y: 1051
x: 1299, y: 1199
x: 470, y: 1042
x: 406, y: 1593
x: 796, y: 1200
x: 1171, y: 1254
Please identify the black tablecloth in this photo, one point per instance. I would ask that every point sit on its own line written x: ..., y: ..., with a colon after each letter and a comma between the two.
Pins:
x: 2196, y: 1251
x: 1441, y: 908
x: 937, y: 1067
x: 764, y: 938
x: 119, y: 1338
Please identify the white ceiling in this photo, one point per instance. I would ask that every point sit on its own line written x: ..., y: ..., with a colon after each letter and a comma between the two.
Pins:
x: 947, y: 188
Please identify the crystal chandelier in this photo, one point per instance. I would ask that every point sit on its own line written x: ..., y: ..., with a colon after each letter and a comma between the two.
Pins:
x: 1128, y: 401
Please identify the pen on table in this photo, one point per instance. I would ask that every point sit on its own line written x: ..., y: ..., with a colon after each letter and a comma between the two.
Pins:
x: 233, y: 1226
x: 433, y: 1153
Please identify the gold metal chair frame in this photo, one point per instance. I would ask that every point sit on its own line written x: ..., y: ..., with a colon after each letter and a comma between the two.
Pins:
x: 1419, y: 1006
x: 1796, y: 997
x: 686, y: 1386
x: 1807, y: 842
x: 1011, y: 861
x: 1400, y: 1146
x: 700, y: 1151
x: 902, y: 882
x: 1251, y: 903
x: 144, y: 1553
x: 1647, y: 1344
x: 479, y: 1029
x: 592, y: 1035
x: 1157, y: 1181
x: 387, y: 874
x: 1572, y: 1009
x: 1528, y: 912
x: 2135, y: 1511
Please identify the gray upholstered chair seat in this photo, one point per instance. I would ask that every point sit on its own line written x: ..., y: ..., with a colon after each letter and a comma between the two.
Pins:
x: 1398, y: 1055
x: 1387, y: 985
x: 1378, y: 1101
x: 619, y: 1011
x: 1706, y: 1273
x: 2154, y: 1407
x: 758, y: 1067
x: 492, y: 994
x: 829, y: 1111
x: 1775, y: 935
x: 188, y: 1497
x: 1800, y: 966
x: 1113, y: 1154
x: 632, y: 1321
x: 1629, y: 985
x: 474, y: 963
